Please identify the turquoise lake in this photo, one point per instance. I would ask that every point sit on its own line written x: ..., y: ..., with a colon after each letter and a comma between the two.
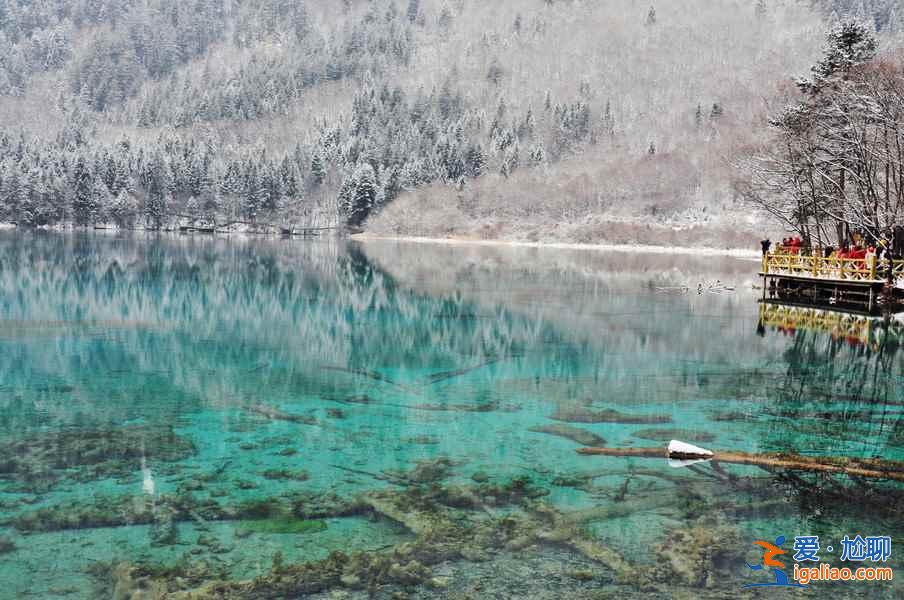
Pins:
x: 201, y: 417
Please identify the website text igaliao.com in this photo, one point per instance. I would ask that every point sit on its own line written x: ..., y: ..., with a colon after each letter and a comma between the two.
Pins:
x: 824, y: 572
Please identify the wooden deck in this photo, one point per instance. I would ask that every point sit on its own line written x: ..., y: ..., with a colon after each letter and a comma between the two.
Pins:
x: 862, y: 283
x: 838, y: 270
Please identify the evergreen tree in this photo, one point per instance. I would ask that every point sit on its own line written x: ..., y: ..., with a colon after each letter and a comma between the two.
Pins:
x: 255, y: 194
x: 100, y: 201
x: 123, y: 210
x: 538, y: 155
x: 82, y: 193
x: 346, y: 197
x: 513, y: 158
x: 413, y: 10
x: 289, y: 178
x: 392, y: 185
x: 30, y: 200
x: 608, y: 119
x: 527, y: 126
x: 445, y: 18
x: 318, y: 170
x: 157, y: 192
x: 848, y: 44
x: 760, y: 8
x: 364, y: 194
x: 494, y: 73
x: 11, y: 194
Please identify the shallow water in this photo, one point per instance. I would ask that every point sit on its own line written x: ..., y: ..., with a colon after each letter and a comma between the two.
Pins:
x: 155, y: 390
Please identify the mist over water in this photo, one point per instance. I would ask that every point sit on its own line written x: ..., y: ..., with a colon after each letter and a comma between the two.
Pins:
x: 159, y: 396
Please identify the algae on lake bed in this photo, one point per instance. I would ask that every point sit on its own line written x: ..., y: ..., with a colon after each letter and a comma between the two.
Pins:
x: 284, y: 525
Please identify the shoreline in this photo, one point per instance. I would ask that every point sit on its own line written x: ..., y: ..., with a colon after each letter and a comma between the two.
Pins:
x: 645, y: 248
x: 365, y: 237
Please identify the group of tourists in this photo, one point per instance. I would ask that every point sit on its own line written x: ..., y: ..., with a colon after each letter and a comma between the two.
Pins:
x: 852, y: 257
x: 791, y: 245
x: 853, y: 251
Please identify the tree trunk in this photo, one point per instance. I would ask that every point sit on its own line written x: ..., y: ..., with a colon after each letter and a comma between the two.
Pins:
x: 855, y: 467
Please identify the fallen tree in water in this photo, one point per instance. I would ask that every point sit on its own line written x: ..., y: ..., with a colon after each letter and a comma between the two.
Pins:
x: 873, y: 468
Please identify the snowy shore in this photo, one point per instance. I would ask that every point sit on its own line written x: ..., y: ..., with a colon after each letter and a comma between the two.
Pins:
x: 646, y: 248
x: 736, y: 252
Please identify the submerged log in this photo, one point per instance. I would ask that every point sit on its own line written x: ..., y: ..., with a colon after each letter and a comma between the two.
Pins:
x: 575, y: 434
x: 579, y: 414
x: 443, y: 376
x: 485, y: 407
x: 873, y: 468
x: 375, y: 375
x: 277, y: 415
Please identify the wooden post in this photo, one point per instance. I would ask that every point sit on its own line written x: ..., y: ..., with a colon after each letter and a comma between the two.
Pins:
x: 765, y: 263
x: 872, y: 267
x: 815, y: 263
x: 842, y: 261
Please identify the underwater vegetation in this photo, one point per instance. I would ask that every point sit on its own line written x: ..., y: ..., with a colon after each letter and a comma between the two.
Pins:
x: 285, y: 475
x: 483, y: 407
x: 36, y: 463
x: 6, y: 545
x: 698, y: 556
x: 422, y: 440
x: 166, y: 511
x: 664, y: 435
x: 460, y: 523
x: 445, y: 520
x: 579, y: 414
x: 283, y: 524
x: 452, y: 523
x: 575, y: 434
x: 424, y: 471
x: 277, y: 415
x: 897, y: 436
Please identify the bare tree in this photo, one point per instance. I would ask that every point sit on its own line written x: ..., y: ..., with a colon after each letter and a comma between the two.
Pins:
x: 834, y: 163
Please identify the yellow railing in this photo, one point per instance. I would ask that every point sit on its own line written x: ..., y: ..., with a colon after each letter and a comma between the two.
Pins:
x: 818, y: 267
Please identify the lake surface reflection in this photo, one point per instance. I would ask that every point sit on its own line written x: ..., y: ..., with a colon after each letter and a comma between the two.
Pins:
x: 276, y: 418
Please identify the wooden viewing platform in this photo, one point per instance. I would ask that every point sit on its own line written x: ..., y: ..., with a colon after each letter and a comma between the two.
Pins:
x: 846, y: 282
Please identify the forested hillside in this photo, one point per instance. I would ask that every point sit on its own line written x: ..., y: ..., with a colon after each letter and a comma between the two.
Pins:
x: 531, y: 119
